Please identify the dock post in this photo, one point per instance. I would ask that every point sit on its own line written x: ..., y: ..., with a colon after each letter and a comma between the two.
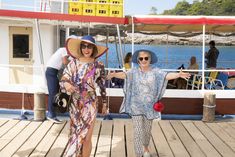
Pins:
x: 39, y: 107
x: 209, y: 107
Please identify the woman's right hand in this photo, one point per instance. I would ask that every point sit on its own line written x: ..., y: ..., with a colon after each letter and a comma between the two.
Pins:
x: 69, y: 88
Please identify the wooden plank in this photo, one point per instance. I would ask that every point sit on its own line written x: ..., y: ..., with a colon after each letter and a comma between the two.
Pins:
x: 176, y: 146
x: 27, y: 148
x: 191, y: 146
x: 221, y: 147
x: 228, y: 127
x: 232, y: 124
x: 2, y: 121
x: 118, y: 140
x: 104, y: 143
x: 129, y: 138
x: 95, y: 137
x: 152, y: 148
x: 222, y: 134
x: 11, y: 134
x: 160, y: 141
x: 48, y: 140
x: 199, y: 138
x: 60, y: 144
x: 19, y: 139
x: 7, y: 126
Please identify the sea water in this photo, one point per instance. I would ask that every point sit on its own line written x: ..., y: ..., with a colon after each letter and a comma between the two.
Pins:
x: 173, y: 56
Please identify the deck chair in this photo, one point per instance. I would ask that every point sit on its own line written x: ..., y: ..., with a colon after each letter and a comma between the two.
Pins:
x: 209, y: 79
x: 220, y: 82
x: 196, y: 81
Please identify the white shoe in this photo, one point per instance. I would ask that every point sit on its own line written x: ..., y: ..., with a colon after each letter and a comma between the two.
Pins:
x: 55, y: 120
x: 147, y: 154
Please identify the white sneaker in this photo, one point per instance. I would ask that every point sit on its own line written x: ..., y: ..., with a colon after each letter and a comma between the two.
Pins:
x: 147, y: 154
x: 55, y: 120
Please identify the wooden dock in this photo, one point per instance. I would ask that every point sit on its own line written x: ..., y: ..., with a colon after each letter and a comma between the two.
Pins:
x: 115, y: 138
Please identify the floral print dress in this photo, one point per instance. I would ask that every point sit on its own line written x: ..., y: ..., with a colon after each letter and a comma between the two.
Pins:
x: 83, y: 109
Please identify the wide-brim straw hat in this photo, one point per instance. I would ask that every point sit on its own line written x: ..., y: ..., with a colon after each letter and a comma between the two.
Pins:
x: 136, y: 55
x: 73, y: 47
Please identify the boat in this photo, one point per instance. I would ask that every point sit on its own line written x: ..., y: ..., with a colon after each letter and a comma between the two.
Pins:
x: 190, y: 101
x: 30, y: 38
x: 24, y: 73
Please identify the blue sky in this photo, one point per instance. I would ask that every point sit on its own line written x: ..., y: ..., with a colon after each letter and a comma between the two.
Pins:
x: 131, y: 7
x: 143, y: 7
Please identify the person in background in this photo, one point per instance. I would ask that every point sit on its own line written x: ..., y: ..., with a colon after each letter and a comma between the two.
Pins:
x: 54, y: 65
x: 193, y: 64
x: 116, y: 82
x: 144, y: 85
x: 212, y: 55
x: 80, y: 78
x: 127, y: 61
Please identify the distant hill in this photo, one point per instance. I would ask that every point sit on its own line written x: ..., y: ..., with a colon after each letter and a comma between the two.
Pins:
x: 203, y: 7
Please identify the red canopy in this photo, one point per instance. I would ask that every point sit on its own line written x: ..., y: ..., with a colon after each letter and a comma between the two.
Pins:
x: 62, y: 17
x: 184, y: 23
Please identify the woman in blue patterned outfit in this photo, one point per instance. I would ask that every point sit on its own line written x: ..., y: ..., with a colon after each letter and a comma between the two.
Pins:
x: 144, y: 86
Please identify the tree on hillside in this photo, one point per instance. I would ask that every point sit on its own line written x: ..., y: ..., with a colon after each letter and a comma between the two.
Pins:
x: 153, y: 11
x: 228, y: 7
x: 204, y: 7
x: 196, y: 9
x: 180, y: 9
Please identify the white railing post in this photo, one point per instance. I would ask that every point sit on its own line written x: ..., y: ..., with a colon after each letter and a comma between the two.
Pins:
x: 67, y: 32
x: 203, y: 55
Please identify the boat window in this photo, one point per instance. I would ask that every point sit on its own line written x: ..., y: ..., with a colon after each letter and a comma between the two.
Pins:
x: 102, y: 11
x: 115, y: 2
x: 88, y: 10
x: 20, y: 46
x: 115, y: 12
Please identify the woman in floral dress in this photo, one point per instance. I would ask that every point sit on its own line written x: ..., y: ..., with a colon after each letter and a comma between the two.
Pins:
x: 80, y: 79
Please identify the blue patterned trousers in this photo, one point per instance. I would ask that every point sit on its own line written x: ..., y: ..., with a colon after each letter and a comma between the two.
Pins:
x: 142, y: 133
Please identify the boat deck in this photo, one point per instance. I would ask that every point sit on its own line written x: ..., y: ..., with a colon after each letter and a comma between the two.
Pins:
x: 113, y: 138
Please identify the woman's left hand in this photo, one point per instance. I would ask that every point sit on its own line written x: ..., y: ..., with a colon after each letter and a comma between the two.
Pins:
x: 110, y: 75
x: 184, y: 75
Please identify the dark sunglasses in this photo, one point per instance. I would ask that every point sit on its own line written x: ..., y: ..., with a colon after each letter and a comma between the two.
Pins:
x: 89, y: 46
x: 143, y: 58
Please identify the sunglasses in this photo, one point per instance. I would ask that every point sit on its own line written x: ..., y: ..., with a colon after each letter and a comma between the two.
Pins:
x: 89, y: 46
x: 143, y: 58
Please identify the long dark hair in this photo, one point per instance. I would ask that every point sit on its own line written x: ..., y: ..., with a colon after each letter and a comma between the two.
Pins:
x: 127, y: 57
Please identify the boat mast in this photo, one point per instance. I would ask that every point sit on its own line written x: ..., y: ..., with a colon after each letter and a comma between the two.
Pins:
x: 132, y: 36
x: 120, y: 45
x: 40, y: 49
x: 62, y: 7
x: 106, y: 54
x: 116, y: 47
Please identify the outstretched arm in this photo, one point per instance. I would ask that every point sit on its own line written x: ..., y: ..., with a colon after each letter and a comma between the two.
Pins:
x: 171, y: 76
x: 120, y: 75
